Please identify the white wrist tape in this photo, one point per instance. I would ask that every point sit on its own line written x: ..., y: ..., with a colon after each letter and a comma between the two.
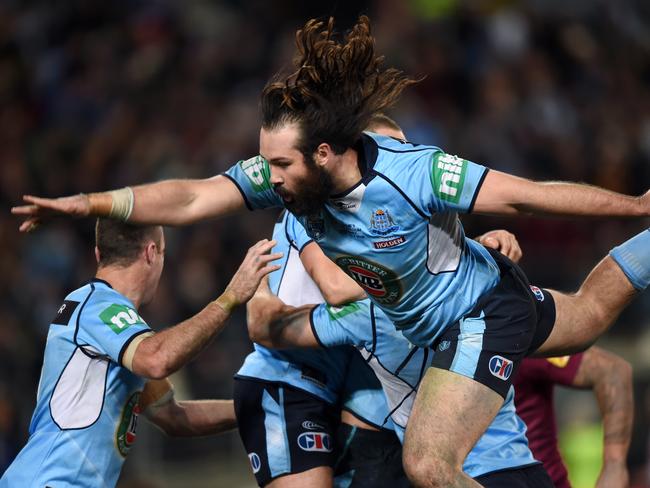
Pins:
x: 151, y: 409
x: 122, y: 204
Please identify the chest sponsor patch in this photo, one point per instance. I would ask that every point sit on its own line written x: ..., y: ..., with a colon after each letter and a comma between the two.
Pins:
x: 120, y: 317
x: 389, y: 243
x: 126, y: 429
x: 380, y: 283
x: 64, y: 314
x: 448, y: 176
x: 258, y: 173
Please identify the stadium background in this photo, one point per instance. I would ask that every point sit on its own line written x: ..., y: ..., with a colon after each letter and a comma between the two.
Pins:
x: 97, y: 95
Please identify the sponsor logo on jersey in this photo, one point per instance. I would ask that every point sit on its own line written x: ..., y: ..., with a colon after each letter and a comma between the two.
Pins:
x: 315, y: 442
x: 559, y: 362
x: 340, y: 312
x: 380, y: 283
x: 537, y: 292
x: 64, y: 314
x: 256, y: 463
x: 350, y: 202
x: 448, y: 176
x: 120, y: 317
x: 315, y: 227
x: 391, y: 243
x: 350, y: 229
x: 258, y: 173
x: 381, y: 223
x: 309, y: 425
x: 500, y: 367
x: 126, y: 429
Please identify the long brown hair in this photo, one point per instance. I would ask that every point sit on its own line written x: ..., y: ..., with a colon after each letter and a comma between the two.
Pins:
x: 335, y: 89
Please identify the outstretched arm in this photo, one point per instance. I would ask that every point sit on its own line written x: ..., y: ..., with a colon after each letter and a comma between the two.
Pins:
x: 610, y: 377
x: 503, y: 194
x: 159, y: 355
x: 276, y: 325
x: 185, y: 418
x: 337, y: 287
x: 171, y: 202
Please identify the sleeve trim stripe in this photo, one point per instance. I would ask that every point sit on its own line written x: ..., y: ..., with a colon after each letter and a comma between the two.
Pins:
x: 248, y: 204
x: 120, y: 357
x: 304, y: 246
x: 313, y: 327
x: 478, y: 189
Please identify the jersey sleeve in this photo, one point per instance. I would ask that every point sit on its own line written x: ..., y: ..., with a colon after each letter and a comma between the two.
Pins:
x: 252, y: 178
x: 338, y: 326
x: 439, y: 182
x: 296, y: 233
x: 107, y: 326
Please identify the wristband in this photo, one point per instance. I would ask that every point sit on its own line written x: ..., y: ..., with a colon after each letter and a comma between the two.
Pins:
x: 150, y: 409
x: 122, y: 204
x: 227, y: 301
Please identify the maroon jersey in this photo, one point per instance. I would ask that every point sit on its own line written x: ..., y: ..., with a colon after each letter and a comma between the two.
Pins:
x: 534, y: 402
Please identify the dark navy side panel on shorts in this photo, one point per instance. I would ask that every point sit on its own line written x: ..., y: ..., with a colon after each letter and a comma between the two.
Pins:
x: 284, y: 430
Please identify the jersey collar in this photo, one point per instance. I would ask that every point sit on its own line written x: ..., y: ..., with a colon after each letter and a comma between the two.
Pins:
x: 367, y: 152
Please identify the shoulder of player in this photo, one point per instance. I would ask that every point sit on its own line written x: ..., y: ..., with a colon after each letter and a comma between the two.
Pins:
x: 104, y: 303
x: 394, y: 157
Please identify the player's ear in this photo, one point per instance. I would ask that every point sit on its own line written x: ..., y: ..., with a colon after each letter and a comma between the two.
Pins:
x: 150, y: 251
x: 323, y: 154
x: 98, y: 256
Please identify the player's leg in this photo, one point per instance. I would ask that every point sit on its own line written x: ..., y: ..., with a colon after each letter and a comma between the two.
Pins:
x: 320, y: 477
x: 583, y: 316
x: 473, y: 364
x: 450, y: 414
x: 287, y: 434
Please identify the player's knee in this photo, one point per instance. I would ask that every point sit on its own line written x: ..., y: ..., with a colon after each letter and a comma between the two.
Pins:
x: 429, y: 471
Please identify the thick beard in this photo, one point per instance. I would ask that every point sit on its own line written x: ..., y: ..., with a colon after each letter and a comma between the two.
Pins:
x: 313, y: 191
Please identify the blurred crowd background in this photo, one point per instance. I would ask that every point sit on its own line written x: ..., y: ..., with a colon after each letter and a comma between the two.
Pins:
x: 97, y: 95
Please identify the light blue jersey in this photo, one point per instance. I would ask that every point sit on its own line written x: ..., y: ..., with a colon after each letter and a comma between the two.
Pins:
x: 400, y: 366
x: 87, y: 402
x: 321, y: 373
x: 397, y: 232
x: 336, y: 375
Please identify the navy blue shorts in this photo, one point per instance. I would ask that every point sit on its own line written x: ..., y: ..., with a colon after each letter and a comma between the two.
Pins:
x: 508, y: 323
x: 284, y: 430
x: 368, y: 458
x: 534, y: 476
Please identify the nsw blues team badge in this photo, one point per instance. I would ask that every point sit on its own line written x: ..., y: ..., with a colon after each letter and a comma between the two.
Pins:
x: 315, y: 442
x: 500, y: 367
x: 315, y: 227
x: 381, y: 223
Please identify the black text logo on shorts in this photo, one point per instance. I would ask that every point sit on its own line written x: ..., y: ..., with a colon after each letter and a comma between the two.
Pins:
x: 380, y: 283
x: 315, y: 442
x: 500, y: 367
